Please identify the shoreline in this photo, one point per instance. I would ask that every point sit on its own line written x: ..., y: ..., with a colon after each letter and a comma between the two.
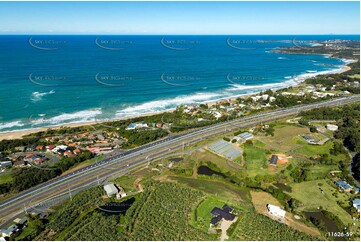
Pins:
x: 18, y: 134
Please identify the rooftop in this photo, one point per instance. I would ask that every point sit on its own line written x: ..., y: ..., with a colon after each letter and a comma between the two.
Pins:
x: 343, y: 184
x: 273, y: 159
x: 245, y: 135
x: 110, y: 189
x: 225, y: 214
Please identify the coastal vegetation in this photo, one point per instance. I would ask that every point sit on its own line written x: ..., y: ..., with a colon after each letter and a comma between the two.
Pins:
x: 348, y: 121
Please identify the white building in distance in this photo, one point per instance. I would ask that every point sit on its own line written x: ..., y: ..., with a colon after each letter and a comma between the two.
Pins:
x: 332, y: 127
x: 276, y: 211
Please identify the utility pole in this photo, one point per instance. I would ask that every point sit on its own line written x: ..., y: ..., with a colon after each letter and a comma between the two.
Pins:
x: 25, y: 209
x: 70, y: 194
x: 98, y: 180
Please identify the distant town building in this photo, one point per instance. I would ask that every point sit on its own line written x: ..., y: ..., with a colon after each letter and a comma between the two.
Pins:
x: 4, y: 164
x: 20, y: 148
x: 39, y: 147
x: 50, y: 147
x: 19, y: 163
x: 136, y: 126
x: 276, y: 211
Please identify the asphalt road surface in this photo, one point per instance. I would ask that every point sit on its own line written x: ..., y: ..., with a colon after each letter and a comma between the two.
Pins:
x: 62, y: 187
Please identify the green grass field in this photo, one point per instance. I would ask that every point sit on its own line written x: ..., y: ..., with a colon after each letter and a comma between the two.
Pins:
x: 126, y: 182
x: 202, y: 215
x: 200, y: 156
x: 311, y: 150
x: 255, y: 159
x: 309, y: 193
x: 4, y: 178
x: 217, y: 189
x: 286, y: 137
x: 90, y: 161
x: 319, y: 171
x: 355, y: 76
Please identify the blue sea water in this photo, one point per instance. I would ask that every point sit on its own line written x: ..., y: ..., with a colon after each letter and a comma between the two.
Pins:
x: 52, y: 80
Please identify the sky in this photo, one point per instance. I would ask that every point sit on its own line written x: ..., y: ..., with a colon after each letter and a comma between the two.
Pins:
x: 180, y: 18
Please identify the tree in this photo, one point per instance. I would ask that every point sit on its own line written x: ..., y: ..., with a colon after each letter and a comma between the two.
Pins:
x: 355, y: 167
x: 313, y: 129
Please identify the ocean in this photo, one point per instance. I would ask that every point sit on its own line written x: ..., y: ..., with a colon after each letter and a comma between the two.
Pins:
x: 49, y: 80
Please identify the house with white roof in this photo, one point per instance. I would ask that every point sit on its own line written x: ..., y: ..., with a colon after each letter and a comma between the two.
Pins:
x: 356, y: 204
x: 136, y: 126
x: 276, y: 211
x: 332, y: 127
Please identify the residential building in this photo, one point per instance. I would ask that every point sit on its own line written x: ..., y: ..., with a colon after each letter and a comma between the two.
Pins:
x: 68, y: 154
x: 19, y: 163
x: 136, y: 126
x: 224, y: 213
x: 97, y: 150
x: 356, y: 204
x: 344, y: 186
x: 31, y: 147
x: 76, y: 151
x: 4, y: 164
x: 20, y: 148
x: 50, y: 147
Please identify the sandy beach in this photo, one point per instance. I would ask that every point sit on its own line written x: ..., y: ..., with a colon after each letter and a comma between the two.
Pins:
x: 20, y: 134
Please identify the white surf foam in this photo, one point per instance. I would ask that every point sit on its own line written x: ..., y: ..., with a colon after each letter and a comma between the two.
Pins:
x: 11, y: 125
x: 37, y: 96
x: 165, y: 104
x: 76, y: 117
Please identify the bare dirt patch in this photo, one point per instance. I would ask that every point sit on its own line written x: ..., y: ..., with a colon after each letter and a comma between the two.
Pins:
x: 282, y: 159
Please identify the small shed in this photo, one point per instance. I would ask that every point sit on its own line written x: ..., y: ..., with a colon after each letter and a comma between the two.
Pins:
x: 21, y: 221
x: 273, y: 160
x: 110, y: 189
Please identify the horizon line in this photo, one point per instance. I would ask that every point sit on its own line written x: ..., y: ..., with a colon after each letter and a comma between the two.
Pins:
x: 161, y: 34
